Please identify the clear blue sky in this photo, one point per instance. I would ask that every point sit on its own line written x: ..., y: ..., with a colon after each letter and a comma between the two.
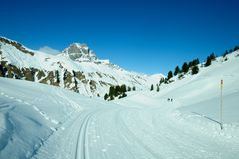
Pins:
x: 149, y: 36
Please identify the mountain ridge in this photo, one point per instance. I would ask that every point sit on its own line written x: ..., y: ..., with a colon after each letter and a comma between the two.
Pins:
x: 77, y: 68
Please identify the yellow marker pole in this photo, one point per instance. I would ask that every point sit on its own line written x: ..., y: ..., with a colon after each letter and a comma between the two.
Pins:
x: 221, y: 106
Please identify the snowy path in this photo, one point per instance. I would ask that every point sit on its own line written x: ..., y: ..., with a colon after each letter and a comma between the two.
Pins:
x: 65, y: 125
x: 139, y: 132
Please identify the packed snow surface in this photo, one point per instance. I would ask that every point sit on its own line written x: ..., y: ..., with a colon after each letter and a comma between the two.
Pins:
x: 40, y: 121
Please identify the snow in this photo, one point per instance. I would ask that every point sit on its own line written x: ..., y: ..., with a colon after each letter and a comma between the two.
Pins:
x: 86, y: 63
x: 40, y: 121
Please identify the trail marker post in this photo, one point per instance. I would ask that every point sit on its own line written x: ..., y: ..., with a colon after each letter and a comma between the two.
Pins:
x: 221, y: 106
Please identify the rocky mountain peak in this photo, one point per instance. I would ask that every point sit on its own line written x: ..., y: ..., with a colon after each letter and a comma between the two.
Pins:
x: 80, y: 52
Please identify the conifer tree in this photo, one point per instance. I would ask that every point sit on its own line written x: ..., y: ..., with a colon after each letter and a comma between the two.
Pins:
x: 185, y: 67
x: 74, y: 73
x: 123, y: 88
x: 195, y: 62
x: 157, y: 88
x: 152, y: 87
x: 57, y: 76
x: 208, y: 62
x: 111, y: 91
x: 106, y: 96
x: 76, y: 83
x: 117, y: 90
x: 177, y: 70
x: 129, y: 89
x: 212, y: 56
x: 161, y: 80
x: 2, y: 71
x: 170, y: 75
x: 64, y: 76
x: 195, y: 70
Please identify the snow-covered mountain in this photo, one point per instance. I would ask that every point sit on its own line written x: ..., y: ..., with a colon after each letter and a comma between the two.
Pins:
x: 44, y: 122
x: 77, y: 68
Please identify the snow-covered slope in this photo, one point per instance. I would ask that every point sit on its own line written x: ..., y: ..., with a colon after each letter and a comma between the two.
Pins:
x: 77, y: 68
x: 29, y: 114
x: 41, y: 121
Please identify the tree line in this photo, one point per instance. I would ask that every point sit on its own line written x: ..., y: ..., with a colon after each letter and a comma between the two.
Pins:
x: 118, y: 91
x: 190, y: 66
x: 186, y: 66
x: 193, y: 65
